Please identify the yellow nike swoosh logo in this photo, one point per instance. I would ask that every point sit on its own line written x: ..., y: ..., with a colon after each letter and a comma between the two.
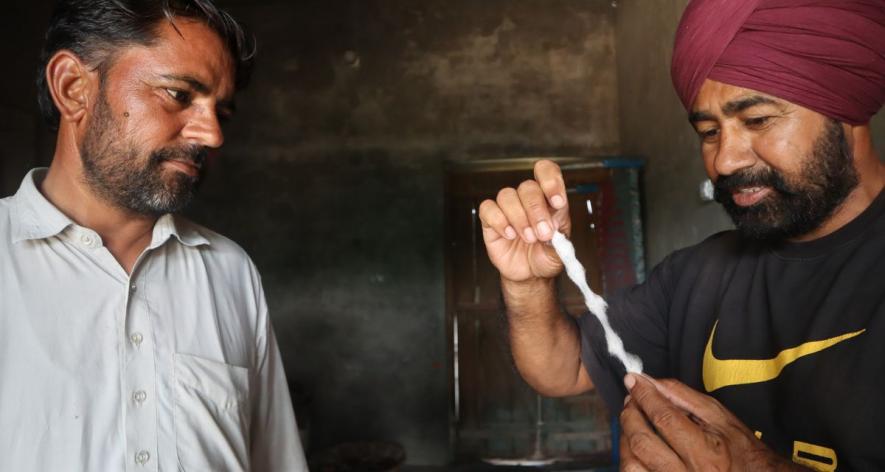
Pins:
x: 719, y: 373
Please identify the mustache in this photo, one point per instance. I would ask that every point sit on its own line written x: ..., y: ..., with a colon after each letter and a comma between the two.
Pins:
x: 190, y: 154
x: 725, y: 185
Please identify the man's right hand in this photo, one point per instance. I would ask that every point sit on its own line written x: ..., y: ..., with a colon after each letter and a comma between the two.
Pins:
x: 519, y: 222
x: 516, y: 227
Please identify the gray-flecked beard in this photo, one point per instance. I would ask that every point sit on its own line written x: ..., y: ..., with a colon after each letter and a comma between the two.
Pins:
x: 796, y: 206
x: 124, y: 176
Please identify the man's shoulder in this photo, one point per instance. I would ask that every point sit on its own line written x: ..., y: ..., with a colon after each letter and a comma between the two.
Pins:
x: 220, y: 246
x: 721, y: 246
x: 6, y: 204
x: 686, y: 270
x: 6, y: 210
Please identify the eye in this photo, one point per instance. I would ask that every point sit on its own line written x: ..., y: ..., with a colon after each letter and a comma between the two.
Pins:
x: 179, y: 96
x: 708, y: 135
x: 757, y: 122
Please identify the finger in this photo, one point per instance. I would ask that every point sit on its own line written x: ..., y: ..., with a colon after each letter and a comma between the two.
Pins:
x: 510, y: 204
x: 705, y: 407
x: 629, y: 461
x: 536, y: 209
x: 670, y: 421
x: 549, y: 177
x: 642, y: 445
x: 494, y: 223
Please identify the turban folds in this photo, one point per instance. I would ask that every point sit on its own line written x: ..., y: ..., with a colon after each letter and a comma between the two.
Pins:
x: 825, y: 55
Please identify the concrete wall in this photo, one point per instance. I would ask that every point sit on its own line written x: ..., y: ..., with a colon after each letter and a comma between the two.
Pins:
x: 332, y: 175
x: 21, y: 132
x: 332, y: 178
x: 653, y: 124
x: 877, y: 126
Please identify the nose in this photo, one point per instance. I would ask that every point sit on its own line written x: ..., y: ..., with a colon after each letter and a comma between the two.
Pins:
x: 735, y: 152
x: 203, y: 128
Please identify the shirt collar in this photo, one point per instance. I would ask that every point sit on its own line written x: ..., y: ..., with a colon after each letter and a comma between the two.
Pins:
x: 184, y: 231
x: 37, y: 218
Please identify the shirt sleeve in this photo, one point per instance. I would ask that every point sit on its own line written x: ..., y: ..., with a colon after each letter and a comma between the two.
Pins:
x: 275, y: 443
x: 639, y: 316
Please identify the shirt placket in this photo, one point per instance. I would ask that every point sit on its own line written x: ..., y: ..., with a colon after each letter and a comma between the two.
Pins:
x: 138, y: 373
x: 139, y: 380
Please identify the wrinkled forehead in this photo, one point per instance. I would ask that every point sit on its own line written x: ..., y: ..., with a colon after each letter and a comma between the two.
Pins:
x: 185, y: 48
x: 718, y: 100
x: 825, y: 55
x: 722, y: 96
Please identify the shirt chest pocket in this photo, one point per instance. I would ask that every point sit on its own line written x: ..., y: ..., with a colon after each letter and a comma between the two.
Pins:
x: 211, y: 415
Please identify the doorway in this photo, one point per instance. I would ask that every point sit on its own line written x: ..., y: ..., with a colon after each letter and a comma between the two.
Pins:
x: 495, y: 414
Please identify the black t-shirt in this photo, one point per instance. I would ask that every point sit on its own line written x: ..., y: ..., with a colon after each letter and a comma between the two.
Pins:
x: 798, y: 352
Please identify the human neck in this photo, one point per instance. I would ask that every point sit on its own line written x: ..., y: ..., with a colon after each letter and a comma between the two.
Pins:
x: 871, y: 180
x: 124, y: 233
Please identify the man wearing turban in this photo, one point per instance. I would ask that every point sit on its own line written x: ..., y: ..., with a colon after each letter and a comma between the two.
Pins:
x: 770, y: 339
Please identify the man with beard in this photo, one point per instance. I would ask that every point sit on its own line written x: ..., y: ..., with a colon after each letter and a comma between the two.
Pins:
x: 770, y: 337
x: 130, y: 338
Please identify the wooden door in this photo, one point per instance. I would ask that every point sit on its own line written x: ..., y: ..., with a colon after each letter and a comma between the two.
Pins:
x: 495, y: 413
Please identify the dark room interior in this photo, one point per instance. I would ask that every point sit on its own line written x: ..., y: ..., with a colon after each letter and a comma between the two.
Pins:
x: 352, y: 172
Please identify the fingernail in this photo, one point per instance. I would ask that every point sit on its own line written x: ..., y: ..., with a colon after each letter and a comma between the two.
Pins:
x: 626, y: 400
x: 529, y: 235
x: 557, y: 201
x: 510, y: 233
x: 544, y: 229
x: 629, y: 381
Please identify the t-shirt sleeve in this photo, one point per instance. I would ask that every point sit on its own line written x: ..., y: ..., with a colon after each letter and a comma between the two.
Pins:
x: 639, y: 316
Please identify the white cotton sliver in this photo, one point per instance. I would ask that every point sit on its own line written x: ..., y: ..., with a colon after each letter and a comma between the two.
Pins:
x: 594, y: 303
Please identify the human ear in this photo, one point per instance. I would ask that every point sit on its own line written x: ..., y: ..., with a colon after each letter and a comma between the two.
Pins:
x: 849, y: 132
x: 860, y: 142
x: 70, y: 83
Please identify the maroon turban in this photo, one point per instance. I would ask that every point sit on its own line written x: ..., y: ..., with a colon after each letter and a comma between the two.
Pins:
x: 825, y: 55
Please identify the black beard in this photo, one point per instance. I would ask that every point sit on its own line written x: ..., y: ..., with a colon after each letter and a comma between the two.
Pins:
x: 796, y: 206
x: 122, y: 176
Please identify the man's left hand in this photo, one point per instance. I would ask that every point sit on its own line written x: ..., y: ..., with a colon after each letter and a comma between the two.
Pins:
x: 666, y: 425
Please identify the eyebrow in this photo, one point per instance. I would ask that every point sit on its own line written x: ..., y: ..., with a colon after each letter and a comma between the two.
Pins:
x: 191, y: 81
x: 200, y: 87
x: 733, y: 107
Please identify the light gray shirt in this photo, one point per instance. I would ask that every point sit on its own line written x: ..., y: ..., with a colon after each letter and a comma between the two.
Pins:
x: 174, y: 367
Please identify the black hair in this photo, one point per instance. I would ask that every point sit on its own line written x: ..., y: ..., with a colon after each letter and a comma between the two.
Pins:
x: 95, y: 29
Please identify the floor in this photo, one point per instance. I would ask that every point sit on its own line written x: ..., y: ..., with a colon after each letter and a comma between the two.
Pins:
x: 481, y: 467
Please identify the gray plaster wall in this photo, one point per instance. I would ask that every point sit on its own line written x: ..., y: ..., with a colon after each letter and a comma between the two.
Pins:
x: 332, y: 175
x: 877, y: 128
x: 23, y: 137
x: 332, y: 179
x: 654, y: 124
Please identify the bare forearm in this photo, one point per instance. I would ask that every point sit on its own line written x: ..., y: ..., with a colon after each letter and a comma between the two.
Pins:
x: 545, y: 342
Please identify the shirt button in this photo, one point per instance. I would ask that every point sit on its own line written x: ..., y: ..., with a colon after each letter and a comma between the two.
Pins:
x: 133, y: 288
x: 87, y: 240
x: 136, y: 339
x: 139, y: 396
x: 142, y: 457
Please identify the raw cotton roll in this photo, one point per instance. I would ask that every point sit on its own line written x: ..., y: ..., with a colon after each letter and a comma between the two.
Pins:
x: 594, y: 302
